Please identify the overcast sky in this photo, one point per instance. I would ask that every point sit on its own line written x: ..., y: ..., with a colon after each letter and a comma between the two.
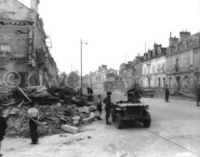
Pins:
x: 116, y: 30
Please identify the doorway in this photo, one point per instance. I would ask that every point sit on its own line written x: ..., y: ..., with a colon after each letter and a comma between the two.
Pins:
x: 178, y: 83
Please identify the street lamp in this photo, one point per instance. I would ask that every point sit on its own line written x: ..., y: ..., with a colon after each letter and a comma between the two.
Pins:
x: 82, y: 42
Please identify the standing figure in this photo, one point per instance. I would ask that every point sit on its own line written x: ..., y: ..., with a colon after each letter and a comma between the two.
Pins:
x: 198, y: 95
x: 90, y: 93
x: 3, y: 126
x: 99, y: 107
x: 33, y: 115
x: 88, y: 90
x: 166, y: 93
x: 108, y: 107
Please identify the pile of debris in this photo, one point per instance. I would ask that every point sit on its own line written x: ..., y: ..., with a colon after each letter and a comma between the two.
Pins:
x: 60, y: 109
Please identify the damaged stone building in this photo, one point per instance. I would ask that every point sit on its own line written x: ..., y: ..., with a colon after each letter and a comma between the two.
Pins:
x: 25, y: 59
x: 131, y: 72
x: 104, y: 74
x: 183, y: 62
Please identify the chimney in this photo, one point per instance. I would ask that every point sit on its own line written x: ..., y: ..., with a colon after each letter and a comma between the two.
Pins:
x: 34, y: 5
x: 184, y: 35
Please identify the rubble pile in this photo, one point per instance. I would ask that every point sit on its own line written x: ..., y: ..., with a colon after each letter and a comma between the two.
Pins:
x: 57, y: 107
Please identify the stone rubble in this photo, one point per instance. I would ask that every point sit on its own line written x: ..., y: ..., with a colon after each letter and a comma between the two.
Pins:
x: 60, y: 109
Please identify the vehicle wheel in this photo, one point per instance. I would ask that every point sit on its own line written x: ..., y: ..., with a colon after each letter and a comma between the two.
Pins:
x: 119, y: 120
x: 147, y: 121
x: 113, y: 117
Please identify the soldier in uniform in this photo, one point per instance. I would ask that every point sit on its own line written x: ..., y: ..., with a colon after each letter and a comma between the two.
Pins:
x: 166, y: 93
x: 108, y: 107
x: 99, y: 107
x: 3, y: 126
x: 33, y: 115
x: 198, y: 95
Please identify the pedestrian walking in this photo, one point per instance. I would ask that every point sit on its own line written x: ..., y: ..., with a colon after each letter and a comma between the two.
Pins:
x: 99, y: 107
x: 198, y: 95
x: 108, y: 107
x: 166, y: 93
x: 3, y: 126
x: 33, y: 115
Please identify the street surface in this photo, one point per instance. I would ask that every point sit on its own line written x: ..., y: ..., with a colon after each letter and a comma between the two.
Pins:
x: 174, y: 132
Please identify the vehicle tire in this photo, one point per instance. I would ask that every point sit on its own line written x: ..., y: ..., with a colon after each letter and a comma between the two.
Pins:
x: 113, y: 116
x: 119, y: 120
x: 147, y: 120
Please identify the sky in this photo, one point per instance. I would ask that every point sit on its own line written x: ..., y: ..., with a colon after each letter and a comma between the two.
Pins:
x: 116, y: 30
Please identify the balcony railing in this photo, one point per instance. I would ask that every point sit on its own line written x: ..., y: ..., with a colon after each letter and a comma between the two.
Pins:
x: 179, y: 70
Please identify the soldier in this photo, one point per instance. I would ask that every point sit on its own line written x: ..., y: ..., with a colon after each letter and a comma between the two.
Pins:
x: 198, y: 95
x: 99, y: 107
x: 108, y: 107
x: 33, y: 115
x: 3, y: 126
x: 166, y: 93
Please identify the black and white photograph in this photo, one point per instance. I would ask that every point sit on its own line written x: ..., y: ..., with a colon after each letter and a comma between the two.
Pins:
x: 100, y: 78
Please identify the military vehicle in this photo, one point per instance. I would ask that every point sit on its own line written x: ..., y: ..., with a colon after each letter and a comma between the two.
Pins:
x: 131, y: 110
x: 148, y: 93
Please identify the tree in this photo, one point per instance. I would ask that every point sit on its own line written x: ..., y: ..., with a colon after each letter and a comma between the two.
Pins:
x: 63, y: 79
x: 73, y: 80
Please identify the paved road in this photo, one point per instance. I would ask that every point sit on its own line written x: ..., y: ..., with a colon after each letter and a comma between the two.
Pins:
x: 175, y: 132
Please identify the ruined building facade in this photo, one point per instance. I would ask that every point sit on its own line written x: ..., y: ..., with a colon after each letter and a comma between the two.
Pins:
x: 25, y: 59
x: 131, y: 72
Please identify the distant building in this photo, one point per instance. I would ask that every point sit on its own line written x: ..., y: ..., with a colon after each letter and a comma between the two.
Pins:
x: 183, y: 62
x: 126, y: 72
x: 154, y: 68
x: 98, y: 78
x: 25, y: 59
x: 131, y: 72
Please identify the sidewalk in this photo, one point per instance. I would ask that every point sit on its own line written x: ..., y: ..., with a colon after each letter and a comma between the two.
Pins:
x: 161, y: 94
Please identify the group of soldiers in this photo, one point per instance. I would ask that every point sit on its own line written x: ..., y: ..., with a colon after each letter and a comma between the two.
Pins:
x: 108, y: 106
x: 33, y: 113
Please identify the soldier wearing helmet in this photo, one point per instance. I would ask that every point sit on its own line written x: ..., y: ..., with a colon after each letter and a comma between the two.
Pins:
x: 108, y: 106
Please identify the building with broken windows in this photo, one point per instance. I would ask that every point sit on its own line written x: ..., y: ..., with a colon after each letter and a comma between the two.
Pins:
x: 183, y: 62
x: 25, y: 59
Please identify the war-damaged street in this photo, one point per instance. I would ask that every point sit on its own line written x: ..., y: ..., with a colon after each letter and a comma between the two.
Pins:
x: 99, y: 78
x: 174, y: 131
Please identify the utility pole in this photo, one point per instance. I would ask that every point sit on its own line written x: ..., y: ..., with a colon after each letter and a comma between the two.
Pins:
x: 81, y: 43
x: 71, y: 67
x: 81, y: 69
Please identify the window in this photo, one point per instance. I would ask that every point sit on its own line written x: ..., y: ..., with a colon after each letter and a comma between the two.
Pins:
x: 158, y: 82
x: 163, y: 66
x: 148, y: 69
x: 5, y: 49
x: 144, y: 71
x: 170, y: 82
x: 164, y: 82
x: 158, y: 70
x: 153, y: 69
